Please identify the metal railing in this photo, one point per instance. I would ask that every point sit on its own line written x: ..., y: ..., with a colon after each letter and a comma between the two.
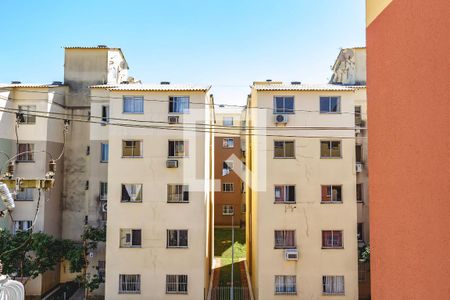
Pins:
x: 224, y: 293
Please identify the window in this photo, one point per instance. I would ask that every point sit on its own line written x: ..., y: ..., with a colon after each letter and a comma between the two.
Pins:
x: 243, y: 208
x: 103, y: 191
x: 176, y: 284
x: 228, y: 143
x: 178, y: 148
x: 227, y: 210
x: 330, y: 104
x: 177, y: 238
x: 131, y: 148
x: 284, y: 149
x: 363, y: 270
x: 227, y: 121
x: 333, y: 285
x: 177, y: 193
x: 130, y: 238
x: 227, y: 166
x: 359, y: 192
x: 179, y: 105
x: 358, y: 150
x: 360, y: 231
x: 285, y: 194
x: 22, y: 226
x: 104, y: 155
x: 131, y: 193
x: 228, y: 187
x: 332, y: 239
x: 25, y: 194
x: 105, y: 114
x: 101, y: 270
x: 133, y: 104
x: 25, y: 152
x: 331, y: 193
x: 283, y: 105
x: 26, y: 112
x: 330, y: 149
x: 358, y: 113
x: 284, y: 239
x: 285, y: 285
x: 129, y: 284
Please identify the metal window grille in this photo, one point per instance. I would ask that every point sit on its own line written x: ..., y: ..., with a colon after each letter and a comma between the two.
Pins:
x: 176, y: 284
x: 228, y: 187
x: 129, y: 284
x: 285, y: 239
x: 177, y: 238
x: 228, y: 210
x: 285, y: 285
x: 333, y: 285
x: 177, y: 193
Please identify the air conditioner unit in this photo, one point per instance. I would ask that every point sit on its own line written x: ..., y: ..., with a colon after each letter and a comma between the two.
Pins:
x: 359, y: 167
x: 103, y: 197
x: 104, y: 207
x: 291, y: 254
x: 357, y: 130
x: 173, y: 119
x: 281, y: 119
x: 172, y: 163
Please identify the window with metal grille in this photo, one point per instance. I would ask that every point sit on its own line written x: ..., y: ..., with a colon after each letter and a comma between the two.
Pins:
x: 330, y: 105
x: 176, y: 284
x: 25, y: 194
x: 131, y: 192
x: 133, y: 104
x: 179, y: 104
x: 284, y: 149
x: 104, y: 152
x: 359, y: 192
x: 178, y: 148
x: 131, y: 148
x: 285, y: 239
x: 331, y: 194
x: 332, y: 239
x: 177, y: 238
x: 177, y: 193
x: 27, y: 114
x: 228, y: 187
x: 129, y: 284
x: 22, y: 226
x: 333, y: 285
x: 283, y: 105
x: 285, y: 285
x: 103, y: 191
x: 285, y: 194
x: 130, y: 238
x: 227, y: 210
x: 330, y: 149
x: 25, y: 152
x: 228, y: 143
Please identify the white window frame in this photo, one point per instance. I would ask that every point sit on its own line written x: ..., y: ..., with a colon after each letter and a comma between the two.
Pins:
x: 332, y: 286
x: 228, y: 121
x: 130, y: 280
x: 287, y: 195
x: 329, y: 105
x: 137, y: 192
x: 175, y: 284
x: 127, y: 234
x: 103, y: 190
x: 181, y: 194
x: 26, y: 111
x: 28, y: 154
x: 104, y: 149
x: 227, y: 210
x: 284, y: 110
x: 228, y: 187
x: 179, y: 99
x: 282, y: 287
x: 134, y: 99
x: 332, y: 196
x: 226, y: 143
x: 139, y: 145
x: 178, y: 231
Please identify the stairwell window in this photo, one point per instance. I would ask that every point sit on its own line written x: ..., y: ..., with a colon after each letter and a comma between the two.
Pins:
x: 25, y: 152
x: 129, y: 284
x: 330, y: 149
x: 285, y: 239
x: 285, y: 194
x: 228, y: 143
x: 227, y: 210
x: 131, y: 148
x: 176, y: 284
x: 330, y: 105
x: 104, y: 152
x: 130, y: 238
x: 21, y: 226
x: 131, y: 193
x: 177, y: 238
x: 228, y: 187
x: 227, y: 166
x: 105, y: 114
x: 285, y: 285
x: 358, y: 116
x: 26, y: 113
x: 333, y: 285
x: 133, y: 104
x: 178, y: 149
x: 332, y: 239
x: 179, y: 104
x: 103, y: 191
x: 227, y: 121
x: 359, y: 192
x: 331, y: 194
x: 177, y: 193
x: 283, y: 105
x: 284, y: 149
x: 25, y: 194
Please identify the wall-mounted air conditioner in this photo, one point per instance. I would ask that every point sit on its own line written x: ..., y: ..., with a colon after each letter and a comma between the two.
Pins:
x: 172, y: 163
x: 281, y: 119
x: 291, y: 254
x: 104, y: 207
x: 173, y: 119
x: 359, y: 167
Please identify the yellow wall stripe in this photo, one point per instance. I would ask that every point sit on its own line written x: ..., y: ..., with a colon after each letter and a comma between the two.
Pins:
x: 374, y: 8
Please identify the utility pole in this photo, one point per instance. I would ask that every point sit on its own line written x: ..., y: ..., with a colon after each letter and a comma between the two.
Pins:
x: 232, y: 258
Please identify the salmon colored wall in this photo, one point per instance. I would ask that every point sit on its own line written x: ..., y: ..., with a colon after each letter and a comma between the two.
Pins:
x: 408, y: 50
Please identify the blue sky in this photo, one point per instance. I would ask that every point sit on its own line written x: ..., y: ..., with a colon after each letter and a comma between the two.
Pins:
x: 226, y: 43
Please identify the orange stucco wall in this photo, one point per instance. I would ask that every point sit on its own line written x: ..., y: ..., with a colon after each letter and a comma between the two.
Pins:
x: 408, y: 50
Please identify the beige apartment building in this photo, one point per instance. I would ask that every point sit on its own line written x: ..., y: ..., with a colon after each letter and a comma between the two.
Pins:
x: 159, y: 191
